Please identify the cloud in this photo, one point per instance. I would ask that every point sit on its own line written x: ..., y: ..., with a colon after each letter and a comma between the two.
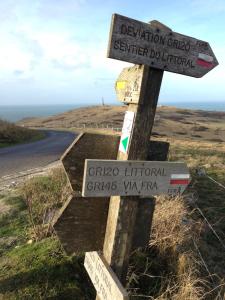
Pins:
x: 18, y: 72
x: 69, y: 64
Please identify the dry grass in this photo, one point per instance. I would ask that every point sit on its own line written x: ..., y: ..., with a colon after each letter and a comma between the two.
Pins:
x: 169, y: 268
x: 44, y: 195
x: 172, y: 235
x: 171, y: 226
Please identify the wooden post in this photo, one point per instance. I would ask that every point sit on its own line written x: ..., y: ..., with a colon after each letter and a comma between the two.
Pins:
x: 123, y: 210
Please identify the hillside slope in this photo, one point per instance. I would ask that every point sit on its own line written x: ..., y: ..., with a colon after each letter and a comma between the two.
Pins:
x: 169, y: 121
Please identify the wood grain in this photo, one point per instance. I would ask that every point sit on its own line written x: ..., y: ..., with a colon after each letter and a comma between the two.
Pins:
x: 81, y: 224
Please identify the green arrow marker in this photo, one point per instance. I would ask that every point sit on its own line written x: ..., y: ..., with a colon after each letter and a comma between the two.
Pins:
x: 125, y: 143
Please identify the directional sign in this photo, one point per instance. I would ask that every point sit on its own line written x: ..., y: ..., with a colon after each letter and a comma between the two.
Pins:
x: 103, y: 278
x: 142, y: 43
x: 133, y: 178
x: 80, y: 224
x: 126, y: 131
x: 128, y: 84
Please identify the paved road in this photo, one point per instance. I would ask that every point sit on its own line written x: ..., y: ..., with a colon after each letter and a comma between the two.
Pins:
x: 32, y: 155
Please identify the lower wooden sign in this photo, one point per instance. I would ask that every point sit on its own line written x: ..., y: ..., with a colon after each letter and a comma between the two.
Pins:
x: 81, y: 223
x: 100, y: 146
x: 105, y: 281
x: 134, y: 178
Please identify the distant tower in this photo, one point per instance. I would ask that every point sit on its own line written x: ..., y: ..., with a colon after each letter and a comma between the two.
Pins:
x: 103, y: 103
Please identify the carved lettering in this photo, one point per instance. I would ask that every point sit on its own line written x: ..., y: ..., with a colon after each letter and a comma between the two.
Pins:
x: 159, y: 56
x: 155, y: 38
x: 129, y: 178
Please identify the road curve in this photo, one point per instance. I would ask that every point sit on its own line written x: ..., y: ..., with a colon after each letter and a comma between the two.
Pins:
x: 37, y: 154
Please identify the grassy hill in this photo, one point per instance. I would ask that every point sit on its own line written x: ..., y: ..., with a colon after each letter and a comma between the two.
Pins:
x: 11, y: 134
x: 169, y: 122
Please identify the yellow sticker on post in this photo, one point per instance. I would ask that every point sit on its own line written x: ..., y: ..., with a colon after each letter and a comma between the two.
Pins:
x: 120, y: 85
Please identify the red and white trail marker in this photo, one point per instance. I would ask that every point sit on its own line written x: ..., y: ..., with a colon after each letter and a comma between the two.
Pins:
x: 182, y: 179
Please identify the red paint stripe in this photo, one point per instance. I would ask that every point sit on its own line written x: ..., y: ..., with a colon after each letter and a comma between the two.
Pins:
x: 204, y: 63
x: 179, y: 181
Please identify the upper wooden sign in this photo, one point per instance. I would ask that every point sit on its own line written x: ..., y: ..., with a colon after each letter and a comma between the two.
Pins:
x: 159, y: 47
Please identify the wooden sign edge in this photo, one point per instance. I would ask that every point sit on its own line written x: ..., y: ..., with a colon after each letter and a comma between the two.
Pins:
x: 71, y: 146
x: 84, y: 176
x: 61, y: 210
x: 112, y: 274
x: 110, y: 34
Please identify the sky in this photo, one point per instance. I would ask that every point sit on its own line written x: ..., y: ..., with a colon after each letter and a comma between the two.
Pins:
x: 54, y: 51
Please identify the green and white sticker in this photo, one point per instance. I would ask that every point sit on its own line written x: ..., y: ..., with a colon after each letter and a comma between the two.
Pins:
x: 126, y: 131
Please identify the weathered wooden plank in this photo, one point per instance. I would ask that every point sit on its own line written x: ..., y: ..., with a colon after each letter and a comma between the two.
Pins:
x: 128, y: 84
x: 156, y: 46
x: 81, y: 224
x: 87, y: 145
x: 103, y: 278
x: 134, y: 178
x: 100, y: 146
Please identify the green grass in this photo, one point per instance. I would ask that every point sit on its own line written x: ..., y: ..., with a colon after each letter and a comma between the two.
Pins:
x: 40, y: 270
x: 14, y: 222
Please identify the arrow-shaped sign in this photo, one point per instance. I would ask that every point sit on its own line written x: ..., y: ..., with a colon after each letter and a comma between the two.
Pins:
x: 159, y: 47
x: 134, y: 178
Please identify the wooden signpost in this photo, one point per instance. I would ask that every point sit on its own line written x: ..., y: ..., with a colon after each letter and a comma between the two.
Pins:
x: 134, y: 178
x: 131, y: 180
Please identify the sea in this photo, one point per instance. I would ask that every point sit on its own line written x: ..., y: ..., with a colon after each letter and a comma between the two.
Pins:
x: 14, y: 113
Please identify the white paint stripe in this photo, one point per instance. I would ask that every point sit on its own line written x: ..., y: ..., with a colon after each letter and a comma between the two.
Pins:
x: 205, y: 57
x: 180, y: 176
